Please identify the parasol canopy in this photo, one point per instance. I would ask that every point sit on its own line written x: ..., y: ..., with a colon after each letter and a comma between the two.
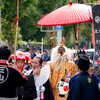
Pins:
x: 67, y: 15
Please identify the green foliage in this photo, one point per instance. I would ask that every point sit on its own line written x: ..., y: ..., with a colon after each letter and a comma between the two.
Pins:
x: 28, y: 24
x: 86, y: 30
x: 9, y: 12
x: 30, y: 11
x: 69, y: 35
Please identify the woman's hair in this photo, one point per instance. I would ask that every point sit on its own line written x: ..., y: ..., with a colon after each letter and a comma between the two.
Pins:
x: 4, y: 52
x: 40, y: 60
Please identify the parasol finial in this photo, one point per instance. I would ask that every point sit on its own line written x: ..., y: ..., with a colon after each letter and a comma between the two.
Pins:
x: 70, y: 2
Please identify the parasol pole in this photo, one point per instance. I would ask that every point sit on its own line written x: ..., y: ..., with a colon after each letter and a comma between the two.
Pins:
x: 76, y: 45
x: 16, y: 30
x: 77, y: 38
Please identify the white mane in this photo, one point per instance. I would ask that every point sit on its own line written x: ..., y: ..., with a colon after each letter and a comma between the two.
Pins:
x: 59, y: 60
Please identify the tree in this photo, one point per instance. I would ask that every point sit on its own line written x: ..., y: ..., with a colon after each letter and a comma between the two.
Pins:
x: 29, y: 28
x: 9, y: 10
x: 30, y: 12
x: 86, y: 32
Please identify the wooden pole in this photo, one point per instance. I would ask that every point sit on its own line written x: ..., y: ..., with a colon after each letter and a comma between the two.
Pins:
x: 42, y: 46
x: 16, y: 30
x: 77, y: 37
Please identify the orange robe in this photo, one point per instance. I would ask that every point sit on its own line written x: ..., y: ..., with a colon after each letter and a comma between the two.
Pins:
x: 56, y: 76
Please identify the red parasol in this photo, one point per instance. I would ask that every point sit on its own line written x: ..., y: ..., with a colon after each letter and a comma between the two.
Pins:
x: 67, y: 15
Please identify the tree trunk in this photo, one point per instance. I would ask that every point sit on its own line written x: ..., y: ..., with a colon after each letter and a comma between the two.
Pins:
x: 10, y: 44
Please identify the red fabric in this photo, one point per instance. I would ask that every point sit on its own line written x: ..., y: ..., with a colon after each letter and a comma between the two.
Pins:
x: 25, y: 77
x: 41, y: 95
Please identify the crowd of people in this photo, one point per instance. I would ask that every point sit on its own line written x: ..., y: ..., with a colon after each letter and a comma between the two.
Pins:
x: 36, y: 74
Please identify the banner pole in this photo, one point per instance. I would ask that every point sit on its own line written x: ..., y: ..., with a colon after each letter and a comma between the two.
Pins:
x: 16, y: 30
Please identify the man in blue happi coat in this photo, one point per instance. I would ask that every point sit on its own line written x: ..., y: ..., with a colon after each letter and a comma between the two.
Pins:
x: 84, y: 86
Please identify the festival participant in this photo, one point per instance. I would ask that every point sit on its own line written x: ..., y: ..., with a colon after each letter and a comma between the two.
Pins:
x: 29, y: 66
x: 10, y: 76
x: 20, y: 63
x: 20, y: 60
x: 60, y: 64
x: 38, y: 54
x: 33, y: 54
x: 90, y: 71
x: 84, y: 86
x: 38, y: 86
